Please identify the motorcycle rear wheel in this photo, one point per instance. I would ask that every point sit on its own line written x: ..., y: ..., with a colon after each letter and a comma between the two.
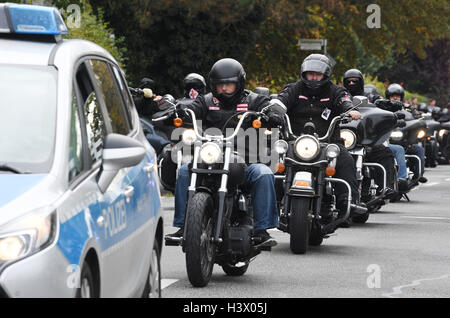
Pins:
x: 199, y: 248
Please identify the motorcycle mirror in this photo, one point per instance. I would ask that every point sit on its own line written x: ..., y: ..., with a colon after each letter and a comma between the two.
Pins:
x: 360, y: 101
x: 262, y: 91
x: 277, y: 106
x: 309, y: 128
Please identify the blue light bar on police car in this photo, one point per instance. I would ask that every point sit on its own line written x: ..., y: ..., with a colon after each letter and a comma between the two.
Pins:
x: 31, y: 19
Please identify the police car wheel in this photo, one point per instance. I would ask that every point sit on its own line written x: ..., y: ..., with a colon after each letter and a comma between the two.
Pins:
x: 87, y: 287
x: 153, y: 284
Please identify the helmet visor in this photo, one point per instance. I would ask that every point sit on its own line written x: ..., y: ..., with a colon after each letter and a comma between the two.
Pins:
x: 315, y: 66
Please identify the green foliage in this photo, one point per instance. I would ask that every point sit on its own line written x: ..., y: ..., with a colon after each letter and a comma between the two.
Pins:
x: 169, y: 39
x: 92, y: 26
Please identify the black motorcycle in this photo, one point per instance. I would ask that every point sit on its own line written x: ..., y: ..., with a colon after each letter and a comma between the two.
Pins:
x: 413, y: 132
x: 431, y: 141
x: 368, y: 135
x: 218, y: 223
x: 308, y: 208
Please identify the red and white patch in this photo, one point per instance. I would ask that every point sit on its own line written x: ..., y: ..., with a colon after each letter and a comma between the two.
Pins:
x: 193, y: 93
x: 325, y: 99
x: 215, y: 100
x: 302, y: 97
x: 348, y: 97
x: 214, y: 108
x: 242, y: 107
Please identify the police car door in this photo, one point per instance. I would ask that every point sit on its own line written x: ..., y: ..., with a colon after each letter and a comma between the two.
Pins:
x: 144, y: 178
x: 135, y: 183
x: 116, y: 229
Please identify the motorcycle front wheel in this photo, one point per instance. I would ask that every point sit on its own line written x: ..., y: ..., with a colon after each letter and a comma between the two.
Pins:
x: 199, y: 247
x: 299, y: 225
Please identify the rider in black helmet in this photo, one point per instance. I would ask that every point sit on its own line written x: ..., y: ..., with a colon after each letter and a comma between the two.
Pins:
x: 314, y: 98
x: 395, y: 92
x: 354, y: 83
x: 218, y: 109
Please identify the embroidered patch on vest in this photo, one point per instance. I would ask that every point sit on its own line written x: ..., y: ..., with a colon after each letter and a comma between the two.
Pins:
x: 325, y: 99
x: 193, y: 93
x: 214, y: 108
x: 215, y: 100
x: 302, y: 97
x: 242, y: 107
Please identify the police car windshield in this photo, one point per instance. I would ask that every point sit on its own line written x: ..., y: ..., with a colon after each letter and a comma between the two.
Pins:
x: 27, y: 116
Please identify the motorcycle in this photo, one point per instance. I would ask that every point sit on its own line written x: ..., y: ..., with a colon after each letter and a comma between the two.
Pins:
x: 431, y: 141
x: 218, y: 223
x: 413, y: 132
x: 308, y: 207
x: 363, y: 136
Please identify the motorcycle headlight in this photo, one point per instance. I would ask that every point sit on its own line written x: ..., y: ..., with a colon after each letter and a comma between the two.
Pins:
x: 281, y: 147
x: 442, y: 133
x: 307, y: 147
x: 27, y: 235
x: 397, y: 135
x: 189, y: 137
x: 421, y: 134
x: 210, y: 153
x: 349, y: 138
x: 332, y: 151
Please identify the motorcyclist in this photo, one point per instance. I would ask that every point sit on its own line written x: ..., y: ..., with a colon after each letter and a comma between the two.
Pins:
x: 315, y: 98
x: 194, y: 85
x: 227, y: 98
x: 354, y: 83
x: 396, y: 92
x: 146, y: 106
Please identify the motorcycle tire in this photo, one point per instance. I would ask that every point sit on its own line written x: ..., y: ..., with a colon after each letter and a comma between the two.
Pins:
x: 316, y: 236
x: 299, y: 225
x: 199, y: 248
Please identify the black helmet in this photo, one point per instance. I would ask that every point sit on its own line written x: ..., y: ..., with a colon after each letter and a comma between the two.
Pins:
x: 227, y: 71
x: 422, y: 107
x: 395, y: 89
x: 315, y: 63
x: 357, y: 89
x: 371, y: 89
x: 147, y: 83
x: 194, y: 81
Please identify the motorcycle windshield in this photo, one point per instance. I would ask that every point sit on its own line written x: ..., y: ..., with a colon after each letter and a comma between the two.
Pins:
x: 27, y: 117
x: 375, y: 126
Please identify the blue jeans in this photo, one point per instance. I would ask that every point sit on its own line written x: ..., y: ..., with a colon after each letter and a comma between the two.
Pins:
x: 157, y: 142
x: 399, y: 153
x: 420, y: 152
x: 259, y: 179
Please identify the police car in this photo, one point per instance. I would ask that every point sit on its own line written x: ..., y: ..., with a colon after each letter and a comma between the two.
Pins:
x: 80, y: 205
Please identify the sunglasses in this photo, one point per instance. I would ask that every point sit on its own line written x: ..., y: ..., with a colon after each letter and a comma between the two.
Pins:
x: 352, y: 81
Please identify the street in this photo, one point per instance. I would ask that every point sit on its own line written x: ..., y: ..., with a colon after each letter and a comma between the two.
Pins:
x: 401, y: 252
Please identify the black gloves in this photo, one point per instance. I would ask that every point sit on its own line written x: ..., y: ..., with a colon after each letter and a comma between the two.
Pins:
x: 389, y: 105
x: 276, y: 119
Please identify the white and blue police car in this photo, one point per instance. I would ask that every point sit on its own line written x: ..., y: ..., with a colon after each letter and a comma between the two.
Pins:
x: 80, y: 204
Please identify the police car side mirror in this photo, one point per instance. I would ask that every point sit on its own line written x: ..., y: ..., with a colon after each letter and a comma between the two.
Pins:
x: 118, y: 152
x: 360, y: 101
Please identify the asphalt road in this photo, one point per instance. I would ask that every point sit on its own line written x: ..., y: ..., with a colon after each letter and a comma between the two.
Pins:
x: 403, y: 251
